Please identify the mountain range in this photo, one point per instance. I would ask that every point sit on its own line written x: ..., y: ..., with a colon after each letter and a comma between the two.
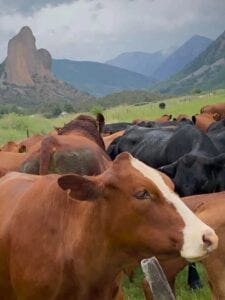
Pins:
x: 129, y: 70
x: 29, y: 76
x: 161, y: 65
x: 97, y: 78
x: 182, y: 57
x: 140, y: 62
x: 205, y: 72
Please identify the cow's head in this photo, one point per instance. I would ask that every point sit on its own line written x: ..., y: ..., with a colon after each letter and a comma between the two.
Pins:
x: 195, y: 174
x: 139, y: 211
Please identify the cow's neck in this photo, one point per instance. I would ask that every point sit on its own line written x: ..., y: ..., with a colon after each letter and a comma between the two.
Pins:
x: 95, y: 264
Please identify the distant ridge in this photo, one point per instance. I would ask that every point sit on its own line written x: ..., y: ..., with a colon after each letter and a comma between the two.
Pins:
x: 205, y: 72
x: 182, y: 56
x: 162, y: 64
x: 140, y: 62
x: 97, y: 78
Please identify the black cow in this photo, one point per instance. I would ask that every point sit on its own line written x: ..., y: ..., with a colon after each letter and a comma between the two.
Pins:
x: 196, y: 174
x: 114, y: 127
x: 218, y: 139
x: 184, y: 153
x: 219, y: 125
x: 216, y: 132
x: 161, y: 146
x: 154, y: 124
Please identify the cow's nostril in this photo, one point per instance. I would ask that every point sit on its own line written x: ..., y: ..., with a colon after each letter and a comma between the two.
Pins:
x: 210, y: 240
x: 207, y: 240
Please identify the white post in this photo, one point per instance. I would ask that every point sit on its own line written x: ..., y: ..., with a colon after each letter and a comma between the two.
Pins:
x: 157, y: 280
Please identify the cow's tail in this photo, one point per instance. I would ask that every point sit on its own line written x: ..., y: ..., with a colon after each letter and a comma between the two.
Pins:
x: 48, y: 146
x: 100, y: 119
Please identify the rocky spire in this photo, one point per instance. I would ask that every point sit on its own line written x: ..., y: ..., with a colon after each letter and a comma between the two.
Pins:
x: 24, y: 62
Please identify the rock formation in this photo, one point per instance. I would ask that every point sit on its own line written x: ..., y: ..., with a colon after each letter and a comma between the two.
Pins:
x: 26, y: 76
x: 24, y: 61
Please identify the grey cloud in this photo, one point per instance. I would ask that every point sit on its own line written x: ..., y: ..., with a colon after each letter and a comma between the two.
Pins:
x: 98, y: 6
x: 27, y: 7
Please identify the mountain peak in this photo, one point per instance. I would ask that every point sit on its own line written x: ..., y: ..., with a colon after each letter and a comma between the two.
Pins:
x: 26, y: 30
x: 205, y: 72
x: 137, y: 61
x: 185, y: 54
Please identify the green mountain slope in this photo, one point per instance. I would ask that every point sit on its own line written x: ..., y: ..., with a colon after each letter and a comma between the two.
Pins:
x: 207, y: 71
x: 184, y: 55
x: 97, y: 78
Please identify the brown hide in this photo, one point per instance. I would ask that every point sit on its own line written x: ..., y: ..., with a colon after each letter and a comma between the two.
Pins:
x: 71, y: 236
x: 11, y: 161
x: 78, y: 147
x: 109, y: 138
x: 182, y: 117
x: 209, y: 208
x: 10, y: 147
x: 27, y: 144
x: 203, y: 121
x: 217, y: 108
x: 163, y: 118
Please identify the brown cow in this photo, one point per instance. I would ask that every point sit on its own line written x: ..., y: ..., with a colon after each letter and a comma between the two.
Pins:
x: 203, y: 121
x: 210, y: 209
x: 182, y: 117
x: 10, y: 146
x: 163, y: 118
x: 11, y: 161
x: 27, y: 144
x: 68, y: 236
x: 78, y: 148
x: 218, y: 109
x: 109, y: 138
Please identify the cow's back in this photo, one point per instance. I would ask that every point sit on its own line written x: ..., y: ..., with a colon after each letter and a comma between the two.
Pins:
x: 12, y: 187
x: 29, y: 235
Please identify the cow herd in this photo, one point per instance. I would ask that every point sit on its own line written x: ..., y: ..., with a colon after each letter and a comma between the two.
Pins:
x: 89, y: 200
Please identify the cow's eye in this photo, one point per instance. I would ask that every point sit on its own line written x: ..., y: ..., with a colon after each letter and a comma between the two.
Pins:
x: 142, y: 195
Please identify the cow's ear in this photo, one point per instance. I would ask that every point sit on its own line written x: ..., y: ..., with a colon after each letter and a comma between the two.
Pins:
x: 216, y: 116
x: 79, y: 187
x: 169, y: 170
x: 193, y: 119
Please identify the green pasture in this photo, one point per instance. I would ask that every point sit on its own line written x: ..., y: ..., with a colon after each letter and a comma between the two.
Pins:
x: 133, y: 290
x: 189, y: 105
x: 14, y: 127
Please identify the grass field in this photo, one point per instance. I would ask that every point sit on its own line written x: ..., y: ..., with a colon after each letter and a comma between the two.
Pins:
x: 133, y: 290
x: 14, y: 127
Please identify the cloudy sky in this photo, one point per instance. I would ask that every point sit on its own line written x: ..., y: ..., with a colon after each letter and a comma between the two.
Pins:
x: 101, y: 29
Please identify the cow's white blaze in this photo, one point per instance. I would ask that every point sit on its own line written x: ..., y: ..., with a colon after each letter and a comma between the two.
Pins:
x: 194, y: 229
